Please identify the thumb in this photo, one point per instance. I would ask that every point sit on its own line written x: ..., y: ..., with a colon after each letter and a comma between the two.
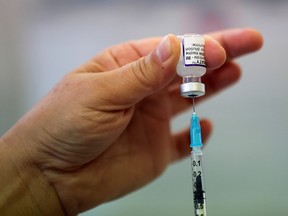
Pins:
x: 147, y: 75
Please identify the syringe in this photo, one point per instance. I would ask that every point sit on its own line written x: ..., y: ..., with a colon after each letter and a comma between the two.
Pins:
x: 197, y: 170
x: 191, y: 67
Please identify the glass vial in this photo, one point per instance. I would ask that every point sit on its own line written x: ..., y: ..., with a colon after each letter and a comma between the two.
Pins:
x: 191, y: 65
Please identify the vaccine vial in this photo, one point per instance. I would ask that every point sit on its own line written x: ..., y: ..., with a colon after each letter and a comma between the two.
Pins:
x: 191, y: 65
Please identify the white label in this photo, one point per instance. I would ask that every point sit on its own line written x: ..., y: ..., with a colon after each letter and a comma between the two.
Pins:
x: 193, y: 51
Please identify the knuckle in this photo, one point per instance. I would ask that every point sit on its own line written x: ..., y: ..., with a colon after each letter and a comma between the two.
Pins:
x: 144, y: 74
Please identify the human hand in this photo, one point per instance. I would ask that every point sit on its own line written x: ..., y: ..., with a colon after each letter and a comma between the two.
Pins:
x: 104, y: 130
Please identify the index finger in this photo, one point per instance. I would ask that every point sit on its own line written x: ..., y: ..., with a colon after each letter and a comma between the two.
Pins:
x: 237, y: 42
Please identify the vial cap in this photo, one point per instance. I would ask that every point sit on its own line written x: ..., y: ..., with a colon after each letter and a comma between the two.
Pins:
x: 192, y: 89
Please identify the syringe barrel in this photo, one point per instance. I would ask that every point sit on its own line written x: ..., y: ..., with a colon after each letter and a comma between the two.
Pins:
x: 199, y: 195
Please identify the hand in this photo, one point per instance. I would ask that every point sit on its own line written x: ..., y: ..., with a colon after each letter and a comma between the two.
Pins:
x: 103, y: 131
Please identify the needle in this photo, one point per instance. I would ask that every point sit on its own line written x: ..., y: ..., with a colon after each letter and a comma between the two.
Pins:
x: 193, y: 105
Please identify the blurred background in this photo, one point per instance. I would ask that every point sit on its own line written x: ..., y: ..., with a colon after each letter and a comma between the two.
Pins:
x: 246, y: 158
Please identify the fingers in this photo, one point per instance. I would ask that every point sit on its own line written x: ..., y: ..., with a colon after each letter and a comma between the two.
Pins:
x: 181, y: 145
x: 138, y: 68
x: 144, y: 76
x: 156, y: 70
x: 237, y: 42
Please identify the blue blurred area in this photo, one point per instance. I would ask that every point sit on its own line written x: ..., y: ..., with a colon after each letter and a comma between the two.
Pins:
x: 246, y: 157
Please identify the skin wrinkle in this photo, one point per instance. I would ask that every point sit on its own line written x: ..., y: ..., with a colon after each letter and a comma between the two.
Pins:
x: 135, y: 50
x: 38, y: 209
x: 23, y: 181
x: 117, y: 115
x: 61, y: 181
x: 146, y: 48
x: 105, y: 60
x: 92, y: 115
x: 94, y: 67
x: 138, y: 71
x: 134, y: 54
x: 50, y: 150
x: 101, y: 123
x: 115, y: 59
x: 141, y: 74
x: 35, y: 139
x: 113, y: 52
x: 97, y: 67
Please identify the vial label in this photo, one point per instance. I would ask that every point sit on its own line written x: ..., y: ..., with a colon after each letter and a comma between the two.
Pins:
x: 193, y: 51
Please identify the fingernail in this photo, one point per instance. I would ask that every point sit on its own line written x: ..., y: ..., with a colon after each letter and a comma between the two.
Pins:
x: 163, y: 51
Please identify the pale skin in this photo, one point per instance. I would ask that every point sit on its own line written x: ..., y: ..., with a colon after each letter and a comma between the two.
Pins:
x: 104, y: 130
